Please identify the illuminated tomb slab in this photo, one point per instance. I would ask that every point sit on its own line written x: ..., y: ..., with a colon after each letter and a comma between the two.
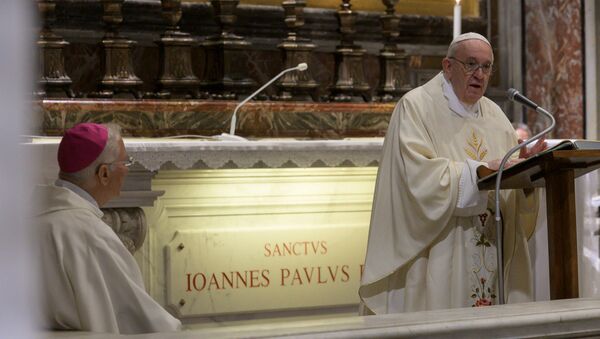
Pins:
x: 257, y: 227
x: 250, y: 229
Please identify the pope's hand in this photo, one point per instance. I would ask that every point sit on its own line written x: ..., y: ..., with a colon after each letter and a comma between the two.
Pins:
x: 527, y: 151
x: 493, y: 165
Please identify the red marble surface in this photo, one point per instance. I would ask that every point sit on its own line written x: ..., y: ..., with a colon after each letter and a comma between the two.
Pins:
x: 554, y: 64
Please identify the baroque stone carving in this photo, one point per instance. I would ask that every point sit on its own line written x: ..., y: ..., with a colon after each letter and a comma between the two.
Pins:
x: 129, y: 224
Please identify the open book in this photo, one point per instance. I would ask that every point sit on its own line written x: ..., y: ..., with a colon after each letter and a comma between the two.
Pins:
x: 528, y: 172
x: 569, y: 144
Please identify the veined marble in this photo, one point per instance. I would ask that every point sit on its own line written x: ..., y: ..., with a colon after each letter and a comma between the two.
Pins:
x: 554, y: 64
x: 159, y: 118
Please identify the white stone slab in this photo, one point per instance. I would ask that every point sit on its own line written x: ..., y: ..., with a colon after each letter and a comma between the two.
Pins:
x: 236, y: 270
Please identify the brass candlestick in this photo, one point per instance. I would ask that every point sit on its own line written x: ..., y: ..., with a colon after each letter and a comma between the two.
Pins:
x: 119, y: 76
x: 295, y: 50
x: 176, y: 76
x: 225, y: 65
x: 53, y: 79
x: 393, y: 80
x: 349, y: 79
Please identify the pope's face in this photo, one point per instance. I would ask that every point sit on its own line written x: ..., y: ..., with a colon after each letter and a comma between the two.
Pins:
x: 469, y: 85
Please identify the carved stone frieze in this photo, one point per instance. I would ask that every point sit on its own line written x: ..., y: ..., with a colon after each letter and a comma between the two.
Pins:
x: 124, y: 214
x: 129, y: 224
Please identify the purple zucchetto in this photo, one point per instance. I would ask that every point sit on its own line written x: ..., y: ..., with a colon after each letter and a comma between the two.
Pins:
x: 80, y: 146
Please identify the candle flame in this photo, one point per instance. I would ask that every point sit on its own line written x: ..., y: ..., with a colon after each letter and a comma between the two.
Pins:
x: 458, y: 2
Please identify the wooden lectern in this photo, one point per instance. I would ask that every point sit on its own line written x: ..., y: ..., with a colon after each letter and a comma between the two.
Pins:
x: 556, y: 169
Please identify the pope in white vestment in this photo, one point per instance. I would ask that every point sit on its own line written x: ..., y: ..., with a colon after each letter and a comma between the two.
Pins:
x: 432, y: 241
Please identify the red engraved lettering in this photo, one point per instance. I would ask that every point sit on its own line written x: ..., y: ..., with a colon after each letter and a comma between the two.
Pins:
x: 308, y: 275
x: 189, y: 282
x: 345, y: 269
x: 213, y: 281
x: 201, y: 275
x: 254, y: 279
x: 243, y: 279
x: 297, y: 252
x: 323, y: 247
x: 276, y: 250
x: 315, y: 246
x: 265, y: 275
x: 319, y: 276
x: 332, y: 274
x: 285, y: 273
x: 287, y: 248
x: 227, y: 280
x: 297, y: 277
x: 267, y: 250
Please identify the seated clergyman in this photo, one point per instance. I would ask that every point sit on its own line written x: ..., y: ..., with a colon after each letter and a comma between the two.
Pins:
x: 91, y: 281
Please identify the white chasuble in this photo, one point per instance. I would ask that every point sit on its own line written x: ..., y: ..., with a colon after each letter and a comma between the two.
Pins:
x: 425, y: 253
x: 90, y: 280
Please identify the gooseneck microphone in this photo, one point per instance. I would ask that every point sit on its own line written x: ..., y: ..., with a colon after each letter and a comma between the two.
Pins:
x: 515, y: 96
x: 301, y: 67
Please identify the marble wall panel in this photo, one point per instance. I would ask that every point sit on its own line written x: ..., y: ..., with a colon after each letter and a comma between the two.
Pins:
x: 156, y: 118
x: 554, y: 64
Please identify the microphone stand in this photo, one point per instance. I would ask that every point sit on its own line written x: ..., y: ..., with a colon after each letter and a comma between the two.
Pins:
x: 231, y: 135
x: 499, y: 230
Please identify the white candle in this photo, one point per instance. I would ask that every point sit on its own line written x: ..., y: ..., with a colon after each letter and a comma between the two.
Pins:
x: 456, y: 19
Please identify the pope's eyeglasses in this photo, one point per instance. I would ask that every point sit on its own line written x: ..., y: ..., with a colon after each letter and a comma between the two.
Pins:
x: 471, y: 67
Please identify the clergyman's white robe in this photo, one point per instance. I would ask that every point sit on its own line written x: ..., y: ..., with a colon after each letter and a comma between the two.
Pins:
x: 90, y: 280
x: 423, y: 252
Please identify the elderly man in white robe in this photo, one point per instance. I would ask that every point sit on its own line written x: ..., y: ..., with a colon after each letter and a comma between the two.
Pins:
x: 91, y: 282
x: 432, y: 235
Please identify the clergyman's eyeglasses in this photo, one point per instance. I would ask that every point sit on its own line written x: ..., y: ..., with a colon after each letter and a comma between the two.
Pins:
x: 472, y: 66
x: 125, y: 163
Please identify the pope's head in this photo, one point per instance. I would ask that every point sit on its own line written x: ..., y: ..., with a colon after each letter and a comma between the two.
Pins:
x: 468, y: 66
x: 93, y: 157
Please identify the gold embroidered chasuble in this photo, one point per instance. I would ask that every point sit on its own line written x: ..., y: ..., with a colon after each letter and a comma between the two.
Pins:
x: 421, y: 254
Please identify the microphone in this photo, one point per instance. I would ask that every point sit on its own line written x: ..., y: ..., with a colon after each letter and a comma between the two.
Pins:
x: 515, y: 96
x: 231, y: 136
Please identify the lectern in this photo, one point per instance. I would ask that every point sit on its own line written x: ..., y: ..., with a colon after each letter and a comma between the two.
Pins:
x: 556, y: 169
